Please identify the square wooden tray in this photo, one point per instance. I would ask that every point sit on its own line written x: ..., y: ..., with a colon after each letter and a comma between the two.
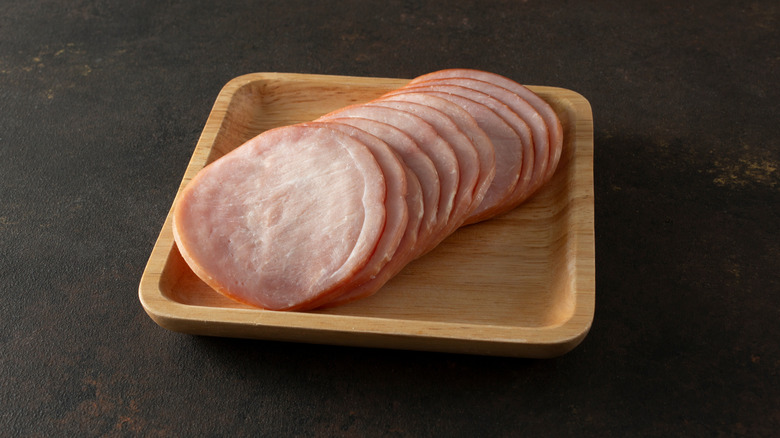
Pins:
x: 522, y: 284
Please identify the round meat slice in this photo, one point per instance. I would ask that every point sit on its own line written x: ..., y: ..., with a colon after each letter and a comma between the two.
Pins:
x: 426, y: 137
x: 554, y: 127
x: 403, y: 254
x: 471, y: 135
x: 539, y: 131
x: 424, y: 172
x: 510, y: 164
x: 465, y: 152
x: 285, y: 219
x: 521, y: 128
x: 395, y: 205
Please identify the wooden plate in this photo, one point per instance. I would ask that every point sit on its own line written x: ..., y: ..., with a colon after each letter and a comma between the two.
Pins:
x: 522, y: 284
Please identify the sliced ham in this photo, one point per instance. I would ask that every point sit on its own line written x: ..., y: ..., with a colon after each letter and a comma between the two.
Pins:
x: 404, y: 253
x: 539, y: 131
x: 285, y: 219
x: 468, y: 135
x: 513, y: 159
x: 397, y: 212
x: 415, y: 200
x: 415, y: 159
x: 553, y: 123
x: 326, y: 212
x: 467, y: 162
x: 439, y: 151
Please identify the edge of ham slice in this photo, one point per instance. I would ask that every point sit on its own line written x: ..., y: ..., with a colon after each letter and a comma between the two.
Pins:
x: 470, y: 130
x: 467, y: 161
x: 397, y: 211
x: 430, y: 142
x: 512, y: 155
x: 553, y: 123
x: 415, y: 159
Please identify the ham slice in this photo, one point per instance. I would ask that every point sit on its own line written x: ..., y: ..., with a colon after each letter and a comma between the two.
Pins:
x: 467, y: 163
x: 397, y: 212
x: 511, y: 168
x: 416, y: 160
x: 284, y: 220
x: 539, y: 132
x: 467, y: 134
x: 551, y: 120
x: 439, y: 151
x: 415, y: 200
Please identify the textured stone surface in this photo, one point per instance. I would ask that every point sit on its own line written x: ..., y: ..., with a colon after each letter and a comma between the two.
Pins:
x: 102, y: 102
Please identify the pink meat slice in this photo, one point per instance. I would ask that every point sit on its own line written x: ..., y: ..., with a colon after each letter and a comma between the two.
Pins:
x: 511, y: 167
x: 465, y: 153
x: 397, y: 212
x: 522, y: 131
x: 416, y: 160
x: 426, y: 137
x: 551, y: 119
x: 470, y: 135
x: 539, y: 131
x: 285, y: 219
x: 404, y: 252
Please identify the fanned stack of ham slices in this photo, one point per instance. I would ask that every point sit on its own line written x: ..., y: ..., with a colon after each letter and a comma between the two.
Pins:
x: 326, y: 212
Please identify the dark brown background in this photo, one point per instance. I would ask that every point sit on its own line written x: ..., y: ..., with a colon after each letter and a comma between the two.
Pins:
x: 102, y: 102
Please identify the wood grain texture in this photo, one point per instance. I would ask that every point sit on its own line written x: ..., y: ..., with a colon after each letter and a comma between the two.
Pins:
x: 522, y: 284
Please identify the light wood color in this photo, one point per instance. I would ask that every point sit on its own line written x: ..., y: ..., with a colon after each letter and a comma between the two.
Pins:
x: 522, y: 284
